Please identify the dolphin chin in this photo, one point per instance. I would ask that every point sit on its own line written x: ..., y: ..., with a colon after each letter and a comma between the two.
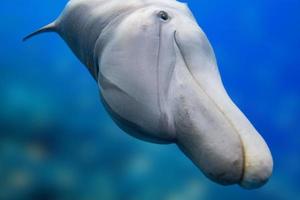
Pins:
x: 158, y: 79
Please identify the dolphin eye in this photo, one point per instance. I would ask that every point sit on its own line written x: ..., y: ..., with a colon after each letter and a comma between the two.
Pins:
x: 163, y: 15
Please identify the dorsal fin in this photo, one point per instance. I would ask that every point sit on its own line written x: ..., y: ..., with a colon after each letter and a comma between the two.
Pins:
x: 48, y: 28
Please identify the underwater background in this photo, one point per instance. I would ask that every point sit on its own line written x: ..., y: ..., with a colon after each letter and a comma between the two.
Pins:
x: 58, y: 142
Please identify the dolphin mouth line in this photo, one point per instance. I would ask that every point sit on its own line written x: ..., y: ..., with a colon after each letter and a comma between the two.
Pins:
x: 177, y: 45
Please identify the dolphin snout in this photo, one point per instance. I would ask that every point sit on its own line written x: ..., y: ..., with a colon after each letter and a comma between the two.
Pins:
x: 210, y: 129
x: 208, y: 139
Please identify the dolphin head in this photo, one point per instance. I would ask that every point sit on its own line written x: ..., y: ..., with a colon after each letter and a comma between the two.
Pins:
x: 159, y: 80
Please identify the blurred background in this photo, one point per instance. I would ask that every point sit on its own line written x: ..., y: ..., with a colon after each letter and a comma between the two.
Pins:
x: 57, y: 141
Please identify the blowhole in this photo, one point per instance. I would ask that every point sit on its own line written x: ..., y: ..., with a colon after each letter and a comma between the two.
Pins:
x: 163, y: 15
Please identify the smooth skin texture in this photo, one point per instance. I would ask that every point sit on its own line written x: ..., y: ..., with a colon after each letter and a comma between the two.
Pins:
x: 159, y: 81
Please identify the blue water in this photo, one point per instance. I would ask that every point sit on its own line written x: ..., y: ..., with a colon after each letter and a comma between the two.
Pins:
x: 57, y: 141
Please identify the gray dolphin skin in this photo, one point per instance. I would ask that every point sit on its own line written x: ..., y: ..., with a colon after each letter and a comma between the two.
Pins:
x: 159, y: 81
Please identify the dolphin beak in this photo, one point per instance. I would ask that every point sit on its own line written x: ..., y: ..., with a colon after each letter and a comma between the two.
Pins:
x: 210, y: 129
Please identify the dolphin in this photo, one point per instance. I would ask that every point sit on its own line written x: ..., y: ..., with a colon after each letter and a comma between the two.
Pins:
x: 159, y: 81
